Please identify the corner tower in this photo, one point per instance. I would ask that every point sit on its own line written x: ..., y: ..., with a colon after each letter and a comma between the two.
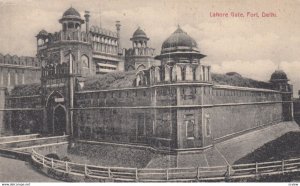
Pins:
x: 279, y: 81
x: 65, y: 55
x: 140, y: 56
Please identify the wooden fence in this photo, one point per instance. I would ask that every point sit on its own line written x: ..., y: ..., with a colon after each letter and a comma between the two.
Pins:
x: 216, y: 173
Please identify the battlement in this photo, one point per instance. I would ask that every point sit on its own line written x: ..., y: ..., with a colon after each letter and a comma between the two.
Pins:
x: 16, y: 61
x: 75, y: 35
x: 175, y: 73
x: 137, y: 51
x: 55, y: 70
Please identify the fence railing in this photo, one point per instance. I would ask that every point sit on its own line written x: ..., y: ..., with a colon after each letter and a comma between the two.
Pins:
x: 216, y: 173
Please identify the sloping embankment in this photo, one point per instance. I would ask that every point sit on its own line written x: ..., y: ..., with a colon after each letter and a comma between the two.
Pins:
x: 239, y: 147
x: 110, y: 155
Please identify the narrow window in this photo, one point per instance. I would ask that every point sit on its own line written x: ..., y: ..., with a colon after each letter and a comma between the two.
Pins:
x: 190, y: 128
x: 207, y: 125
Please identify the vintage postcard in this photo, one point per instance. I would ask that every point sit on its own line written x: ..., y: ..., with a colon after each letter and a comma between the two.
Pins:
x: 149, y: 91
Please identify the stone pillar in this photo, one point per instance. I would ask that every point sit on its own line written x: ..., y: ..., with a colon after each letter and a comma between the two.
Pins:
x: 2, y: 107
x: 118, y: 26
x: 188, y: 73
x: 178, y: 73
x: 198, y: 73
x: 167, y: 73
x: 87, y: 22
x: 208, y: 73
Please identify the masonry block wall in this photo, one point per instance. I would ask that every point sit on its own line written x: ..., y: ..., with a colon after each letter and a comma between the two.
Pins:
x: 138, y: 123
x: 27, y: 118
x: 16, y: 70
x: 178, y: 116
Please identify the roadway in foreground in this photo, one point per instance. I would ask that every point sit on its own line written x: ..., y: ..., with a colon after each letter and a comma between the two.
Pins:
x: 12, y: 170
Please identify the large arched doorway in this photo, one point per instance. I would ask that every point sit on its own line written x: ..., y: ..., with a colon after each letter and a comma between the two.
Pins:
x: 56, y: 114
x: 59, y: 120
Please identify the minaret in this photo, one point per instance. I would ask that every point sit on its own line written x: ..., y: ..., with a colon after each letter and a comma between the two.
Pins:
x: 118, y: 26
x: 87, y: 21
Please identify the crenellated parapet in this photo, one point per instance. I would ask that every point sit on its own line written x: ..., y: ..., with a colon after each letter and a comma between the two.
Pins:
x: 137, y: 51
x: 177, y: 73
x: 70, y: 35
x: 55, y: 70
x: 19, y: 62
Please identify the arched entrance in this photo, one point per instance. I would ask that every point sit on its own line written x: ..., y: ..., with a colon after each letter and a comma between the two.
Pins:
x: 59, y: 120
x: 56, y: 114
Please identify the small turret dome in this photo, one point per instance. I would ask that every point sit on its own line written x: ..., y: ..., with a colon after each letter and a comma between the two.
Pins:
x: 139, y: 34
x: 279, y: 75
x: 71, y: 15
x: 180, y: 44
x: 179, y: 39
x: 71, y: 12
x: 43, y: 32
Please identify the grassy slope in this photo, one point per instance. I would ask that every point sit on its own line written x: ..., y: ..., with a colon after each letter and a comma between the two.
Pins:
x: 284, y: 147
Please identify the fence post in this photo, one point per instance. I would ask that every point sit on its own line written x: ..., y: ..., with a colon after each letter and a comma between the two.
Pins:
x: 67, y: 167
x: 85, y: 170
x: 282, y: 166
x: 228, y: 171
x: 43, y: 161
x: 51, y: 162
x: 136, y: 174
x: 198, y: 173
x: 109, y: 173
x: 256, y: 168
x: 167, y: 174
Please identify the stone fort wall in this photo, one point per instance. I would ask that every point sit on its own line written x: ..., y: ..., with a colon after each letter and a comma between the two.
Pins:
x: 156, y: 115
x: 16, y: 70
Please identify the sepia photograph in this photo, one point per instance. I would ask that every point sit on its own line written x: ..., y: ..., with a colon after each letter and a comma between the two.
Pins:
x: 149, y: 91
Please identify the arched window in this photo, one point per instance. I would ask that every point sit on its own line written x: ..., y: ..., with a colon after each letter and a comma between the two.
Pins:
x: 77, y: 26
x: 85, y: 61
x: 207, y: 125
x: 183, y: 73
x: 141, y: 67
x: 40, y: 42
x: 130, y: 68
x: 64, y: 27
x: 190, y: 129
x: 70, y: 25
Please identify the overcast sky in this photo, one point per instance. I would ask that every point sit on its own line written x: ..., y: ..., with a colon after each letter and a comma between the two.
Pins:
x: 253, y: 47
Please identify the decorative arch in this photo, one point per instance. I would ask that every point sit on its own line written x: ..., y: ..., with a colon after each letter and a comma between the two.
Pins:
x: 183, y: 73
x: 198, y: 73
x: 157, y: 74
x: 85, y: 62
x: 167, y: 73
x: 189, y: 73
x: 52, y: 95
x: 174, y: 73
x: 64, y: 27
x: 56, y: 113
x: 130, y: 68
x: 59, y: 125
x: 140, y: 78
x: 179, y: 73
x: 141, y: 67
x: 77, y: 26
x: 70, y: 25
